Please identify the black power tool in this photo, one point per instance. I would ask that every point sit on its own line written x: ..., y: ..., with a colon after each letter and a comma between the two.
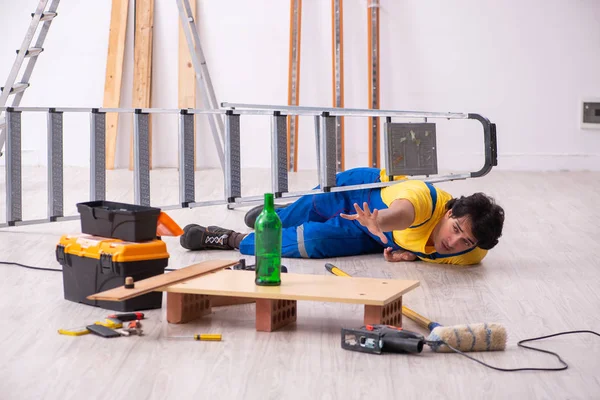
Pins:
x: 377, y: 339
x: 243, y: 267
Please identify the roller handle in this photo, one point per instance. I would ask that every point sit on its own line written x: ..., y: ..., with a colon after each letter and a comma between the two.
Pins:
x: 335, y: 270
x: 419, y: 319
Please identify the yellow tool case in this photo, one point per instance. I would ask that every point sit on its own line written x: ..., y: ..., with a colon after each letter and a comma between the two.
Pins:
x: 93, y: 264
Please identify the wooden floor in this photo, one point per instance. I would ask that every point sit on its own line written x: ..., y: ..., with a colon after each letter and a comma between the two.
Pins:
x: 542, y: 278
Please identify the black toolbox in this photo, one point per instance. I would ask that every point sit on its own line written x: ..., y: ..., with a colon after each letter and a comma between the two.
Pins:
x: 94, y: 264
x: 123, y: 221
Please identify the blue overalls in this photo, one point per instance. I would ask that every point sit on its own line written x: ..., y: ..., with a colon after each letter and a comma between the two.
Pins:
x: 313, y: 228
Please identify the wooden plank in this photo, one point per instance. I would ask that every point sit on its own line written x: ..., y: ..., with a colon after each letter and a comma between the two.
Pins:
x: 369, y: 291
x: 186, y: 74
x: 142, y: 61
x: 160, y: 281
x: 114, y: 74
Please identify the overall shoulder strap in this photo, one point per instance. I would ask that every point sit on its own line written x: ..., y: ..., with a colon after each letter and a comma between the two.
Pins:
x: 433, y: 194
x: 436, y: 255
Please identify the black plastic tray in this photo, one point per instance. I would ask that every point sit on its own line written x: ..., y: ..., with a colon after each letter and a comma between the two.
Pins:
x: 123, y: 221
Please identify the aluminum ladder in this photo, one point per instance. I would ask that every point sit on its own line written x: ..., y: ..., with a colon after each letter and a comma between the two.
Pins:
x: 40, y: 15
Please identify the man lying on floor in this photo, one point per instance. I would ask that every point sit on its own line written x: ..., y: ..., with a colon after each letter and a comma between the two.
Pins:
x: 408, y: 220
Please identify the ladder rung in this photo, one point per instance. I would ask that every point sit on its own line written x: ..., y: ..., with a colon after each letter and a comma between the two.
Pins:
x: 47, y: 16
x: 33, y: 52
x: 18, y: 88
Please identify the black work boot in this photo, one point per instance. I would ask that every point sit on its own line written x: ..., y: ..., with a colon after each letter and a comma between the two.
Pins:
x: 233, y: 238
x: 254, y: 212
x: 218, y: 230
x: 197, y: 237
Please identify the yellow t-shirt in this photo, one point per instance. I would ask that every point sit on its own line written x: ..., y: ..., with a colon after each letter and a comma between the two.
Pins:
x: 414, y: 239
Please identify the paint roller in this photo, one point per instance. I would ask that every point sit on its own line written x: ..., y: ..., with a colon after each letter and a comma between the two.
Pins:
x: 465, y: 338
x: 471, y: 337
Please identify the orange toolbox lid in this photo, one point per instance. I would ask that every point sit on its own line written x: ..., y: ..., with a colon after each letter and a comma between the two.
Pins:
x: 94, y: 246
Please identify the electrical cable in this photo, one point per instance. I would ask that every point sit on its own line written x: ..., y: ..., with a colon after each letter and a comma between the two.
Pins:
x: 520, y: 344
x: 46, y: 269
x: 29, y: 266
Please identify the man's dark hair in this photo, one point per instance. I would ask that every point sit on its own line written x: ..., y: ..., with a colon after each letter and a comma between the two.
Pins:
x: 487, y: 218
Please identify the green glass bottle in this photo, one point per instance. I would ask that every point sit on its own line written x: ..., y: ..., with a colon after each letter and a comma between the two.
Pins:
x: 267, y: 245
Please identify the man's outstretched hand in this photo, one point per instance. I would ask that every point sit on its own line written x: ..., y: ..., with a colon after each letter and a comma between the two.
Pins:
x: 367, y: 219
x: 399, y: 255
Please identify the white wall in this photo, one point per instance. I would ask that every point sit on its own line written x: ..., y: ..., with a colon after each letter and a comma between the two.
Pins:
x: 526, y: 65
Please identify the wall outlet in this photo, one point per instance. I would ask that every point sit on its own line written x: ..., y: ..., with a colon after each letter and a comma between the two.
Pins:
x: 590, y: 114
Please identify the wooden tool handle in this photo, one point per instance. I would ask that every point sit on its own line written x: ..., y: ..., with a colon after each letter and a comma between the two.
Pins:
x: 419, y: 319
x: 129, y: 283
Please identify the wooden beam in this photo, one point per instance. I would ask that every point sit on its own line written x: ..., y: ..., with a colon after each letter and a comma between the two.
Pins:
x: 114, y: 74
x: 373, y: 54
x: 160, y: 281
x: 142, y: 62
x: 186, y: 74
x: 294, y: 81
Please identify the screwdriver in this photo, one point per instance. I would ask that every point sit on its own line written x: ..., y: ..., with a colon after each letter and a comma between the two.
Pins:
x: 206, y: 337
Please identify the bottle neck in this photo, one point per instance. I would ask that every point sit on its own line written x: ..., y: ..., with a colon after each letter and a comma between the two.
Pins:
x: 269, y: 202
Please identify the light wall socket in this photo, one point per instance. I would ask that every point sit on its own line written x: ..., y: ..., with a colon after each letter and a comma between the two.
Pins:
x: 589, y: 115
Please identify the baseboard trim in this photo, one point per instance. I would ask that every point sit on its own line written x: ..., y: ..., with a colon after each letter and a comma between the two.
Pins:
x: 526, y: 162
